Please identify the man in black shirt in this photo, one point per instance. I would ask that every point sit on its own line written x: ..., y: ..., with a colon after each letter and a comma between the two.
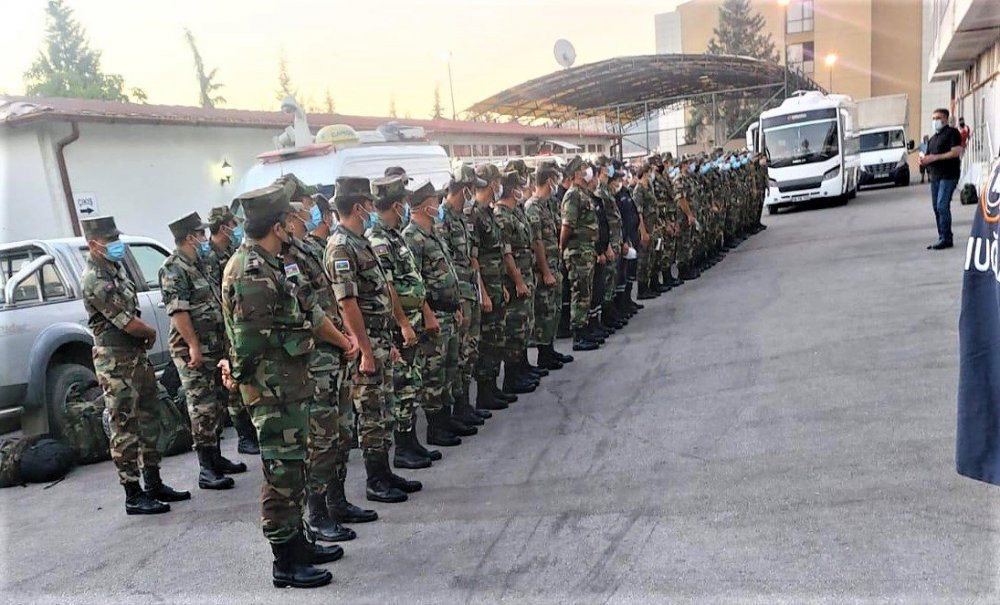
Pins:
x: 944, y: 165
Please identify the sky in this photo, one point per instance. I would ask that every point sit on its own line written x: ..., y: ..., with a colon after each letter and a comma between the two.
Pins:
x: 363, y: 52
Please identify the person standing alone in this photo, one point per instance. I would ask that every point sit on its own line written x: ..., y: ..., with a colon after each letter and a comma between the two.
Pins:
x: 943, y: 163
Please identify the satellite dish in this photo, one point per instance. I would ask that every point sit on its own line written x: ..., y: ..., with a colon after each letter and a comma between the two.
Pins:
x: 564, y: 52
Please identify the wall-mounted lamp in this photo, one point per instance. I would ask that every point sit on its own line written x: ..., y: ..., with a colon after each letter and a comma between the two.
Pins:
x: 227, y: 173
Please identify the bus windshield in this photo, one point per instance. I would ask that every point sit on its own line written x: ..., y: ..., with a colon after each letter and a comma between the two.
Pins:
x: 877, y: 141
x: 801, y: 143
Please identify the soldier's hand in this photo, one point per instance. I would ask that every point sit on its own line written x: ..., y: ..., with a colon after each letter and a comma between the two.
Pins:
x: 506, y: 295
x: 227, y: 376
x: 409, y: 336
x: 367, y: 365
x: 431, y: 324
x: 549, y: 280
x: 644, y: 239
x: 625, y: 249
x: 394, y: 355
x: 459, y: 317
x: 196, y: 358
x: 351, y: 352
x: 691, y: 221
x: 601, y: 259
x: 521, y: 290
x: 611, y: 256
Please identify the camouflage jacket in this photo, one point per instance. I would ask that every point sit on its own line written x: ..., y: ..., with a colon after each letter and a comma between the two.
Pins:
x: 487, y: 242
x: 187, y: 286
x: 456, y: 231
x: 684, y: 189
x: 578, y: 214
x: 663, y: 193
x: 269, y: 330
x: 400, y: 269
x: 215, y: 262
x: 645, y: 203
x: 356, y: 273
x: 430, y: 256
x: 308, y: 257
x: 544, y: 227
x: 109, y: 297
x: 614, y: 216
x: 516, y: 231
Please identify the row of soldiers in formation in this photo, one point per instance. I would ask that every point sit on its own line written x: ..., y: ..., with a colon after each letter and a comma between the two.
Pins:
x: 321, y: 325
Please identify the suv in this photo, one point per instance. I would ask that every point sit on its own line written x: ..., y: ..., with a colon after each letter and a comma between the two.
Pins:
x: 43, y: 325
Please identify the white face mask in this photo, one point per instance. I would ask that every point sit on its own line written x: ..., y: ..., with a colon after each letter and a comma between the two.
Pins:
x: 498, y: 194
x: 937, y: 125
x: 589, y: 174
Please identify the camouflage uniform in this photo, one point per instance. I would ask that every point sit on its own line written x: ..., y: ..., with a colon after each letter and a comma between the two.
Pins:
x: 579, y: 255
x: 187, y: 288
x: 270, y: 331
x: 401, y: 271
x: 440, y: 369
x: 355, y: 271
x: 547, y: 299
x: 455, y: 232
x: 489, y: 248
x: 515, y: 230
x: 646, y: 204
x: 614, y: 218
x: 122, y: 368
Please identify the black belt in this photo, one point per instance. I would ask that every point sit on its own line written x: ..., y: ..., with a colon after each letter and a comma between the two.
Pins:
x: 444, y: 306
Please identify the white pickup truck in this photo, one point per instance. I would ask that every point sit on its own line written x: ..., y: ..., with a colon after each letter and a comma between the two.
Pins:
x: 44, y: 339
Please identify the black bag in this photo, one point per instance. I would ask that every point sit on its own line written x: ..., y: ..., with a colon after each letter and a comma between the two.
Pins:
x: 45, y: 460
x: 969, y: 196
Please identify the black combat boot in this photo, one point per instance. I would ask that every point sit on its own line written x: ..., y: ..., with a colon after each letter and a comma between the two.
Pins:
x: 432, y: 455
x: 319, y: 522
x: 465, y: 412
x: 288, y: 570
x: 138, y: 503
x: 499, y: 395
x: 156, y: 489
x: 456, y: 424
x: 645, y: 293
x: 404, y: 485
x: 317, y: 554
x: 547, y: 360
x: 379, y: 486
x: 485, y: 398
x: 514, y: 382
x: 343, y: 511
x: 595, y: 332
x: 210, y: 477
x: 466, y: 401
x: 405, y: 454
x: 248, y: 443
x: 538, y: 371
x: 438, y: 432
x: 560, y: 357
x: 225, y: 466
x: 581, y: 342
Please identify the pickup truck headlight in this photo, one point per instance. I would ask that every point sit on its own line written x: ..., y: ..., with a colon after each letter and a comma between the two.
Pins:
x: 831, y: 173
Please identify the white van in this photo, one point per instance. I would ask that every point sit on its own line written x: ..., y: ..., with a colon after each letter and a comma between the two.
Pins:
x: 884, y: 156
x: 320, y: 164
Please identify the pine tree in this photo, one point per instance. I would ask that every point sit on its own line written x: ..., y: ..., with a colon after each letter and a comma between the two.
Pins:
x: 331, y: 107
x: 206, y: 83
x: 392, y: 106
x: 285, y: 87
x: 438, y: 111
x: 740, y: 32
x: 68, y: 67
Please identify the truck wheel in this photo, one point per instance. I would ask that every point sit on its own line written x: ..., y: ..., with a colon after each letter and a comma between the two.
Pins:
x: 66, y: 382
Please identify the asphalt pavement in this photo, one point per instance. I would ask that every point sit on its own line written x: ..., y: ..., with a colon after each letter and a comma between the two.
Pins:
x: 780, y: 430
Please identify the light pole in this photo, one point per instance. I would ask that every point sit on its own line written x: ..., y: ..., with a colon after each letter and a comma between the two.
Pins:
x: 446, y: 57
x: 784, y: 41
x: 831, y: 60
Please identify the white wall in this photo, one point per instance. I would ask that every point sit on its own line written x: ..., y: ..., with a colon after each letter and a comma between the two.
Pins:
x: 31, y: 200
x: 932, y: 94
x: 668, y: 32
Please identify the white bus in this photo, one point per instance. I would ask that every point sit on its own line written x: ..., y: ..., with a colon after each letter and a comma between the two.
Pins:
x: 812, y: 149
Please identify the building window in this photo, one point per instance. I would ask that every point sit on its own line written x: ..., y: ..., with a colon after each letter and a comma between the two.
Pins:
x: 591, y: 148
x: 600, y: 148
x: 499, y: 151
x: 463, y: 151
x: 481, y: 150
x: 800, y: 57
x: 515, y: 150
x: 800, y: 16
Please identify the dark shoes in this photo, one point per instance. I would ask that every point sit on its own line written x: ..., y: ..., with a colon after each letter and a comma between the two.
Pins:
x: 322, y: 526
x: 156, y: 489
x: 343, y: 511
x: 138, y: 503
x: 581, y: 342
x: 292, y: 568
x: 211, y: 476
x: 379, y: 486
x: 247, y: 434
x: 406, y: 454
x: 439, y: 431
x: 486, y: 398
x: 941, y: 245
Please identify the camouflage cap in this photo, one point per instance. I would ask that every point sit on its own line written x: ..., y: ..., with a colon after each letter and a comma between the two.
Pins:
x: 323, y: 202
x: 397, y: 171
x: 518, y: 166
x: 352, y: 187
x: 575, y: 163
x: 511, y: 180
x: 186, y: 224
x: 266, y: 202
x: 488, y: 172
x: 221, y: 215
x: 300, y: 190
x: 99, y: 227
x: 466, y: 175
x: 388, y: 190
x: 424, y: 192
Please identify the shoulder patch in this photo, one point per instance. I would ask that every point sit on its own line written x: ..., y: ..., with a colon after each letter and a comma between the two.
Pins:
x: 342, y: 265
x: 292, y: 270
x: 380, y: 249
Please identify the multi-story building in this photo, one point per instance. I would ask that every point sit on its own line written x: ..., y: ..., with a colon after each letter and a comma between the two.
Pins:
x: 965, y: 51
x: 874, y: 46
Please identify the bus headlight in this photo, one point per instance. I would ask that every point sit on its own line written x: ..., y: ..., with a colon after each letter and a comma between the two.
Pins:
x: 831, y: 173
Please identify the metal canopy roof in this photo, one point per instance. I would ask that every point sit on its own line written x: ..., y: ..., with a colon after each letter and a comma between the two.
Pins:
x: 626, y: 88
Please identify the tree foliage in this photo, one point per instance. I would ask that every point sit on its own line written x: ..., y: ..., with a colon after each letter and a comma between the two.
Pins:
x: 437, y: 112
x: 206, y: 81
x: 331, y: 107
x: 285, y: 87
x: 392, y: 105
x: 67, y: 66
x: 740, y: 31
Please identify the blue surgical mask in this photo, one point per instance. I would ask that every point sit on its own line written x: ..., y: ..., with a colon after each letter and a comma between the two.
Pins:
x: 115, y: 251
x: 406, y: 212
x: 691, y: 167
x: 611, y: 171
x: 204, y: 248
x: 724, y: 167
x: 440, y: 217
x: 705, y: 168
x: 937, y: 125
x: 238, y: 235
x: 370, y: 220
x: 315, y: 217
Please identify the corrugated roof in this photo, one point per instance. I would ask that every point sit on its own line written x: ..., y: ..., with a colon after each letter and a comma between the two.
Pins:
x: 15, y: 111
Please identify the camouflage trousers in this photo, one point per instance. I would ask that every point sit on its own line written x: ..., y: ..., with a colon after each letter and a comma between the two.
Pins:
x: 580, y: 272
x: 407, y: 375
x: 646, y: 260
x: 324, y: 418
x: 611, y: 275
x: 372, y: 394
x: 666, y: 256
x: 283, y: 432
x: 520, y: 323
x: 347, y: 437
x: 468, y: 336
x: 440, y: 369
x: 206, y: 399
x: 491, y: 333
x: 547, y: 306
x: 129, y: 386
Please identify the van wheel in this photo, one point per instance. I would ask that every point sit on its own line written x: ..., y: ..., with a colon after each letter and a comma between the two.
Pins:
x: 66, y: 382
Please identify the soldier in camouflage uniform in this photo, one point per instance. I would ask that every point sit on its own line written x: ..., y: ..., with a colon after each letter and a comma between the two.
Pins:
x: 404, y: 277
x: 371, y: 313
x: 609, y: 314
x: 548, y: 275
x: 226, y: 236
x: 325, y: 362
x: 455, y: 230
x: 270, y: 325
x: 577, y: 236
x: 193, y: 300
x: 121, y: 339
x: 645, y: 203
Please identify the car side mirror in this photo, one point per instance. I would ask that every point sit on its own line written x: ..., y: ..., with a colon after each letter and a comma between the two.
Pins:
x: 910, y: 145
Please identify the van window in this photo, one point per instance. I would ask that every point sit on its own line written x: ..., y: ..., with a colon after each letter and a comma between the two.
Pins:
x: 877, y: 141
